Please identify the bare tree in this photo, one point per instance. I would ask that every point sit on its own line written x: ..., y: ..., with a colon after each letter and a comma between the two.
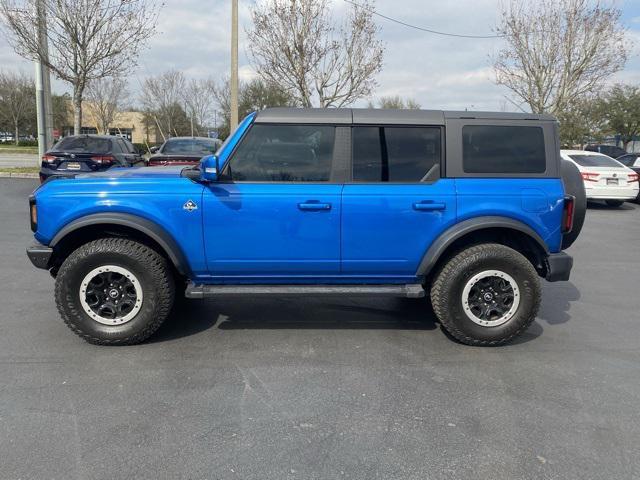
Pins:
x: 559, y: 50
x: 199, y: 99
x: 395, y: 102
x: 162, y: 98
x: 17, y: 100
x: 106, y: 97
x: 295, y: 44
x: 88, y: 39
x: 254, y: 95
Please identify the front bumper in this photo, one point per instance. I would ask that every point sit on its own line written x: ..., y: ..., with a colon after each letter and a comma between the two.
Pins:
x: 559, y: 267
x: 39, y: 255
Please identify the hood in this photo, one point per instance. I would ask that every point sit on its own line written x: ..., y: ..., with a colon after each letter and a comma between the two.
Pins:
x: 156, y: 180
x: 134, y: 172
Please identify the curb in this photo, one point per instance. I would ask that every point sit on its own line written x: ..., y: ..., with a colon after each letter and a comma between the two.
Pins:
x: 18, y: 175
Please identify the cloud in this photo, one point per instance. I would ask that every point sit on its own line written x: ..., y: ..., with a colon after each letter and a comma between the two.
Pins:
x: 437, y: 71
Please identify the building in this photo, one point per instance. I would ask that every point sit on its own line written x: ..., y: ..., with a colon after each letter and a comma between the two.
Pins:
x: 128, y: 124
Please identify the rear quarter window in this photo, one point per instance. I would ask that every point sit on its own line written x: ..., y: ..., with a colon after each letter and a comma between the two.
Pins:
x: 503, y: 149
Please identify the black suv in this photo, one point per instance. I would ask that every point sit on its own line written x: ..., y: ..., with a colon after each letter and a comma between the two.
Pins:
x: 86, y: 154
x: 609, y: 150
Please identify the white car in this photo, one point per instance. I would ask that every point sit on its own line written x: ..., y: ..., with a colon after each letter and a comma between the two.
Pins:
x: 604, y: 178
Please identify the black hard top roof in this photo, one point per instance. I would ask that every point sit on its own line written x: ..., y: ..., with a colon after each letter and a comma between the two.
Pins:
x: 348, y: 116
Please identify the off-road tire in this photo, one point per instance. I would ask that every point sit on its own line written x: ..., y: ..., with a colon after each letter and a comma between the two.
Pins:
x: 449, y: 283
x: 155, y: 279
x: 614, y: 203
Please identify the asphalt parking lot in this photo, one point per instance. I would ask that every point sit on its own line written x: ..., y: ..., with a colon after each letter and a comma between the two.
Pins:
x: 323, y: 389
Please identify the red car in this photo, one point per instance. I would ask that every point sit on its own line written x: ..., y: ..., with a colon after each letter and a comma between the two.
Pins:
x: 183, y: 151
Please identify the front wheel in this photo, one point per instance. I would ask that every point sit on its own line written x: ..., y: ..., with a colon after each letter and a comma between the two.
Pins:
x: 114, y: 291
x: 486, y: 295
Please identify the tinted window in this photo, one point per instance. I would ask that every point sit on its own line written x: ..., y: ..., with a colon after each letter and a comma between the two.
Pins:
x: 595, y: 161
x: 284, y: 153
x: 394, y: 154
x: 503, y: 149
x: 118, y: 146
x: 83, y: 145
x: 627, y: 160
x: 129, y: 146
x: 189, y: 146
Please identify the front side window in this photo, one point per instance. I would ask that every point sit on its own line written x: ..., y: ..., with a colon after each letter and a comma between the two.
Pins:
x: 395, y: 154
x: 284, y: 153
x: 503, y: 149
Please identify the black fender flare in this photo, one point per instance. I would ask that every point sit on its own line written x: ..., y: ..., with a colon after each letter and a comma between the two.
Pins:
x: 144, y: 226
x: 461, y: 229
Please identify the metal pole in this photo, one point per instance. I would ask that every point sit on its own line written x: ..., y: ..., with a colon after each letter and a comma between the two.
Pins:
x: 43, y: 85
x: 234, y: 65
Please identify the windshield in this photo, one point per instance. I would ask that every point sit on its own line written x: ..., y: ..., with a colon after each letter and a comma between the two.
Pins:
x: 83, y: 145
x: 595, y: 161
x: 190, y: 146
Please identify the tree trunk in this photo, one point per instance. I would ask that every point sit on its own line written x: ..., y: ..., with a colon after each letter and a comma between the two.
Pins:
x: 77, y: 109
x: 17, y: 137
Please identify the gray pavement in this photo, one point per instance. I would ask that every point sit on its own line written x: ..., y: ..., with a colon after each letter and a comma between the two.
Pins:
x: 18, y: 160
x: 324, y: 389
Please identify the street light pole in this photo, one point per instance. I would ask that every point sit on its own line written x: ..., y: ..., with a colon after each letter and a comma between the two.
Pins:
x: 43, y: 85
x: 234, y: 65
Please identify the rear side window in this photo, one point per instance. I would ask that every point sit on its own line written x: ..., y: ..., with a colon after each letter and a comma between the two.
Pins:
x: 284, y: 153
x: 395, y: 154
x: 83, y: 145
x: 503, y: 149
x: 594, y: 161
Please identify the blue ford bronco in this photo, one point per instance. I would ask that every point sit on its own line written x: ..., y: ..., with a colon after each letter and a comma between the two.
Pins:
x: 469, y: 209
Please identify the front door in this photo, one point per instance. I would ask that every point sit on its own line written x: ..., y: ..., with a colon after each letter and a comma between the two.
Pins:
x: 275, y: 214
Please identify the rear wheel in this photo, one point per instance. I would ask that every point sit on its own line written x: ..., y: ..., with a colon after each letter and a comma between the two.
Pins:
x: 486, y: 295
x: 114, y: 291
x: 614, y: 203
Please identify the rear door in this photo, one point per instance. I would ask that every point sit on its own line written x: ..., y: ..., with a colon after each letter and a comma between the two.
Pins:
x: 396, y: 203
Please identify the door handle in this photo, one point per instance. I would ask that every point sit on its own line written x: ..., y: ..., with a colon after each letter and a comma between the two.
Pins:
x: 429, y: 206
x: 314, y: 206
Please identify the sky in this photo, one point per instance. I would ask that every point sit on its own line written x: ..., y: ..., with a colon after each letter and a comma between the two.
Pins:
x: 439, y: 72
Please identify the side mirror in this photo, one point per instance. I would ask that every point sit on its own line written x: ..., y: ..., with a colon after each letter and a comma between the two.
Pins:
x: 209, y: 168
x: 154, y: 149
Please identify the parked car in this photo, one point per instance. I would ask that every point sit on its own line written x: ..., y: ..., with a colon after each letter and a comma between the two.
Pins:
x: 88, y: 153
x: 183, y: 151
x: 323, y: 202
x: 6, y: 137
x: 604, y: 178
x: 612, y: 151
x: 632, y: 161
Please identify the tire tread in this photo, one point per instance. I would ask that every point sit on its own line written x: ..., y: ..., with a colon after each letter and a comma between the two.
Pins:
x: 154, y: 262
x: 441, y: 286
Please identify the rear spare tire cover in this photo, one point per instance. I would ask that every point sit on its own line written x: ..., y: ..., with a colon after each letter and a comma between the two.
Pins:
x: 574, y: 185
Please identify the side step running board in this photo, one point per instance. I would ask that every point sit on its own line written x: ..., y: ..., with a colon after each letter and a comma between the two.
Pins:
x: 407, y: 291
